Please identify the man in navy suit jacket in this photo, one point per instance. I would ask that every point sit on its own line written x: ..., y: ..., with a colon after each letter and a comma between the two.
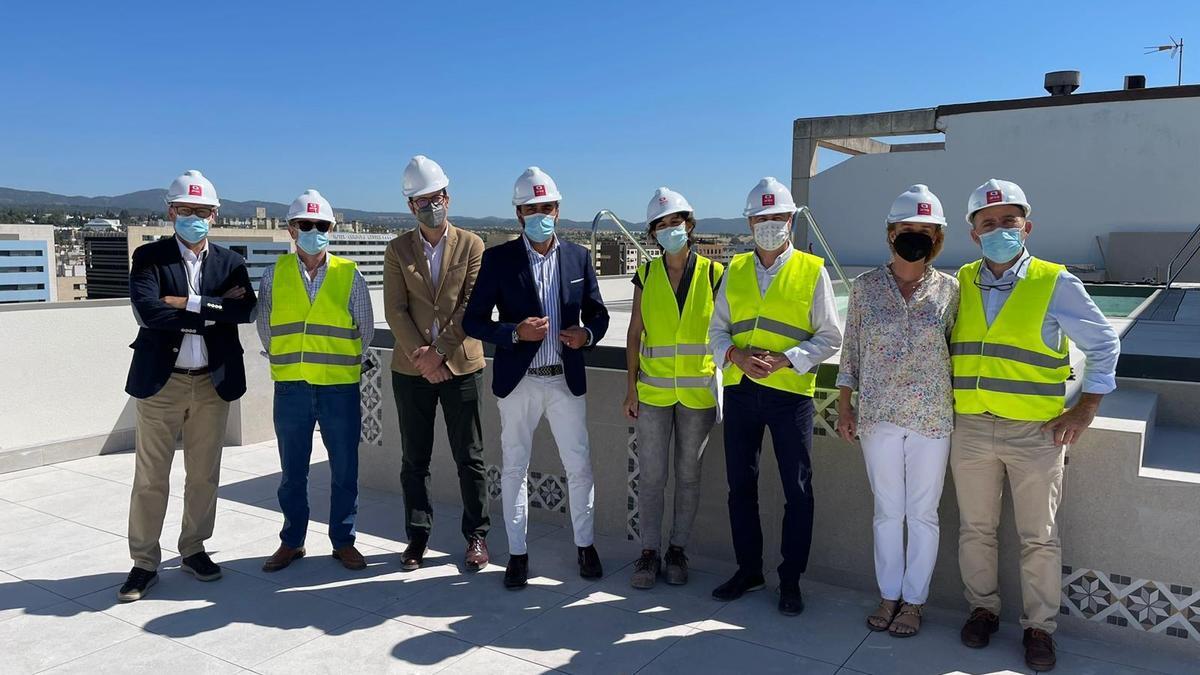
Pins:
x: 188, y: 295
x: 544, y: 289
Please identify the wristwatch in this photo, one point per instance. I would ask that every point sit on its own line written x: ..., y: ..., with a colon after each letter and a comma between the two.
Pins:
x: 439, y: 351
x: 516, y: 338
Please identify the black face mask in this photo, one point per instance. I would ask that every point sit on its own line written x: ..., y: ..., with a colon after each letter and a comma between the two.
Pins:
x: 913, y: 246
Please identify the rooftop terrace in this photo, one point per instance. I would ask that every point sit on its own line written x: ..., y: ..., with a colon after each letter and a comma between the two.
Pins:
x: 63, y: 553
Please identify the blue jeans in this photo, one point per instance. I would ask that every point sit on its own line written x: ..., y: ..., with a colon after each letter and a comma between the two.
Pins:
x: 299, y: 406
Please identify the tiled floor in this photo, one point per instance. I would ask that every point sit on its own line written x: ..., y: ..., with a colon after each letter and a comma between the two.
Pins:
x: 63, y: 553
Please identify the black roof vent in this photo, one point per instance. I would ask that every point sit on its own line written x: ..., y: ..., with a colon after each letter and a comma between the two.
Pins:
x: 1062, y: 82
x: 1135, y: 81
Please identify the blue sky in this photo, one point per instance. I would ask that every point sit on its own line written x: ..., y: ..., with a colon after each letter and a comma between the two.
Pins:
x: 612, y: 98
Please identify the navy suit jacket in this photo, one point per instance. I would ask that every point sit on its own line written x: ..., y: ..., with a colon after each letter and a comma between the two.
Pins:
x: 506, y: 282
x: 158, y: 271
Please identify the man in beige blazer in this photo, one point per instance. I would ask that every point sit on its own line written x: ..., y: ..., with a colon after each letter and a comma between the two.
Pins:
x: 429, y: 272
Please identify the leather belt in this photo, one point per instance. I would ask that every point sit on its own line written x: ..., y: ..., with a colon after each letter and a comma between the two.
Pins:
x: 191, y: 371
x: 547, y: 371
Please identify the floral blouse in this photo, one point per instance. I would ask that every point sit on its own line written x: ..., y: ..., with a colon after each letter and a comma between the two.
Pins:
x: 896, y: 354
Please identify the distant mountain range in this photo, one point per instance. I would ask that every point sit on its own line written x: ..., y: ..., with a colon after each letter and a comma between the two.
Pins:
x: 146, y: 202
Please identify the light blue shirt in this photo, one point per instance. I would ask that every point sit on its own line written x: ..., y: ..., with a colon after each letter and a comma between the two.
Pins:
x: 1072, y: 312
x: 545, y: 278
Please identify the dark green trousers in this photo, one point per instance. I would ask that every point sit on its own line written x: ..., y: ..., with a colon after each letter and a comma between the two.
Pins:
x: 416, y: 404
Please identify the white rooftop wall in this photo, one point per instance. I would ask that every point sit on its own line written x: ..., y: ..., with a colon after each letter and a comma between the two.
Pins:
x: 1087, y: 169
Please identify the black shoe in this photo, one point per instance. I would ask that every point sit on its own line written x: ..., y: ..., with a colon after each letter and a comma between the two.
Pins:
x: 136, y: 584
x: 738, y: 585
x: 201, y: 566
x: 676, y: 566
x: 414, y: 554
x: 589, y: 563
x: 516, y: 575
x: 791, y: 602
x: 977, y: 632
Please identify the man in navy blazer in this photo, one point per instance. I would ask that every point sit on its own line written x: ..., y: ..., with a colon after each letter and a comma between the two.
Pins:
x: 188, y: 295
x: 550, y: 310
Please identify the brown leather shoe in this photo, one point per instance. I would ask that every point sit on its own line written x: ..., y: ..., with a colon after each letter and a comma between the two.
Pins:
x: 477, y: 554
x: 351, y: 558
x: 282, y: 557
x: 414, y: 555
x: 977, y: 632
x: 1039, y: 650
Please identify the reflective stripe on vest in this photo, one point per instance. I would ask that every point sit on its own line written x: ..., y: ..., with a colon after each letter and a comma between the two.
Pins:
x: 1006, y: 368
x: 315, y: 342
x: 776, y: 320
x: 674, y: 364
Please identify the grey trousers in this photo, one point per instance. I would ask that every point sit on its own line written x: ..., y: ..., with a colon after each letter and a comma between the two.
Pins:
x: 655, y: 428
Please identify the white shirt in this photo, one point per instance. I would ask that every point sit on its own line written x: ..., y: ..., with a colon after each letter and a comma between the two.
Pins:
x: 193, y: 353
x: 545, y: 279
x: 433, y: 256
x: 827, y: 331
x: 1071, y: 312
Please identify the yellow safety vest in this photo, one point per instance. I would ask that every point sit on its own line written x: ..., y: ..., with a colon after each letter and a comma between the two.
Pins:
x: 675, y: 365
x: 314, y: 342
x: 775, y: 321
x: 1006, y: 369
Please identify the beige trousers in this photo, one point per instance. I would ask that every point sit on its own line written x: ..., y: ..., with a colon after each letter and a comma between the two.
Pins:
x: 187, y: 404
x: 983, y: 450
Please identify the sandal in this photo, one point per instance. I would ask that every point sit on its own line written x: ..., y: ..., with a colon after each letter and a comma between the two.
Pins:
x: 902, y: 627
x: 882, y: 617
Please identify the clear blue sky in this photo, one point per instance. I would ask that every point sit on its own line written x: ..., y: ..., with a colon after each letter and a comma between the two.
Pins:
x: 612, y: 98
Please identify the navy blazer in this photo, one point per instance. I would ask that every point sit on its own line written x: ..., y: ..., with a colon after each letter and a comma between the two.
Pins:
x: 506, y: 282
x: 158, y: 271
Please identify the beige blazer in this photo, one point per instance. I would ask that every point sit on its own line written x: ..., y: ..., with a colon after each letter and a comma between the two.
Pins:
x: 411, y: 304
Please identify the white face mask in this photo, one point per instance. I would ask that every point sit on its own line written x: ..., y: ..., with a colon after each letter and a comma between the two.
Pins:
x: 771, y: 234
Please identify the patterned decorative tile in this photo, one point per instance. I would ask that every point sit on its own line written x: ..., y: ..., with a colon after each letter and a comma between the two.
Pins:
x: 371, y: 388
x: 546, y: 491
x: 1119, y: 600
x: 632, y: 515
x: 825, y: 412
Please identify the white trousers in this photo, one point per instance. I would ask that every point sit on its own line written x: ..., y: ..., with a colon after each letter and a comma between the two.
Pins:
x: 906, y: 471
x: 520, y: 413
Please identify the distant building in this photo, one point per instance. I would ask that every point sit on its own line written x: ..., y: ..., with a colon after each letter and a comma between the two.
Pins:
x: 27, y: 264
x: 108, y: 255
x: 616, y: 257
x: 71, y: 288
x: 104, y: 224
x: 365, y: 249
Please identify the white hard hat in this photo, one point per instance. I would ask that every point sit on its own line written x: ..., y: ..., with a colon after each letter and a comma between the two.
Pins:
x: 996, y: 192
x: 665, y: 202
x: 311, y: 206
x: 917, y: 205
x: 424, y: 176
x: 192, y: 188
x: 769, y: 197
x: 535, y: 187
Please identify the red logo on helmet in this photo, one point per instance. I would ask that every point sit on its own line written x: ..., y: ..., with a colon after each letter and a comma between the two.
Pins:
x: 768, y: 200
x: 314, y: 207
x: 195, y: 191
x: 924, y: 209
x: 662, y: 200
x: 539, y: 190
x: 994, y: 196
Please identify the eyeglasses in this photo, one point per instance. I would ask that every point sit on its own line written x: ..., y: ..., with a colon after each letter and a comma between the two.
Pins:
x: 1007, y: 286
x: 434, y: 201
x: 201, y: 211
x: 308, y: 225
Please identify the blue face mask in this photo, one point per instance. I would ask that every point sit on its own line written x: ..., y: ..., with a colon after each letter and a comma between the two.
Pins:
x: 1002, y: 245
x: 191, y: 229
x: 539, y: 227
x: 672, y: 239
x: 312, y: 242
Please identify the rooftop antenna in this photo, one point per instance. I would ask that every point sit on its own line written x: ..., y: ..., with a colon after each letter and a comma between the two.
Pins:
x: 1176, y: 47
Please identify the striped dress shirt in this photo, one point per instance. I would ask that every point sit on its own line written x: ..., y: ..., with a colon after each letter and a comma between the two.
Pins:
x: 545, y: 277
